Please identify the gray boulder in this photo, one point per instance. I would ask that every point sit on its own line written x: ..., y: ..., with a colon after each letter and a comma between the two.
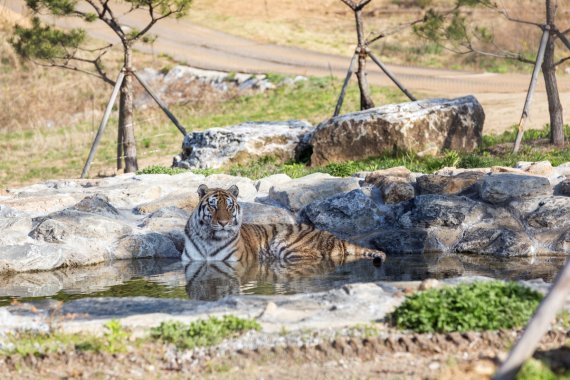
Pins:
x: 490, y: 240
x: 397, y: 241
x: 97, y: 204
x: 431, y: 125
x: 563, y: 188
x: 145, y: 245
x: 504, y: 187
x: 14, y: 229
x: 551, y: 213
x: 264, y: 184
x: 441, y: 211
x: 30, y: 257
x: 345, y: 214
x: 241, y: 143
x: 296, y: 194
x: 258, y: 213
x: 439, y: 184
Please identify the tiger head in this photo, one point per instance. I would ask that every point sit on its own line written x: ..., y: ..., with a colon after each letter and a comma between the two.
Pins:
x: 218, y: 212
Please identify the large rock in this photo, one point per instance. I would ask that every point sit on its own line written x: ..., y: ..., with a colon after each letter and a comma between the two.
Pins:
x: 240, y: 143
x: 258, y: 213
x: 345, y: 214
x: 501, y: 188
x: 552, y: 212
x: 397, y: 241
x: 426, y: 125
x: 563, y: 188
x: 439, y: 184
x: 441, y: 211
x: 396, y: 190
x: 296, y: 194
x: 490, y: 240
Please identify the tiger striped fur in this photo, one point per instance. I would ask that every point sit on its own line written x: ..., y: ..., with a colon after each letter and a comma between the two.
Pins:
x: 214, y: 232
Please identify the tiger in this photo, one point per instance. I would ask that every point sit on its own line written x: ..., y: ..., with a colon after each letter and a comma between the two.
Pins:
x: 215, y: 232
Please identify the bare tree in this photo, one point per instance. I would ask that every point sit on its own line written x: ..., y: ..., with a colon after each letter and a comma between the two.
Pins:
x: 361, y: 53
x: 48, y: 46
x: 366, y: 101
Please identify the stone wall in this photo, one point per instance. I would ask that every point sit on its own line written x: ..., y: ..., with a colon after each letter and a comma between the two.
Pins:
x: 523, y: 211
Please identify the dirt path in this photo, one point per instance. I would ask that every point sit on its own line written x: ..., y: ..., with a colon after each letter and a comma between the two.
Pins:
x: 502, y: 95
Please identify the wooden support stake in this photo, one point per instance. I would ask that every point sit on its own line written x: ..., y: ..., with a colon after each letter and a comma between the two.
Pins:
x: 344, y: 85
x: 104, y: 122
x: 537, y: 326
x: 531, y: 87
x: 390, y: 75
x: 161, y: 105
x: 564, y: 39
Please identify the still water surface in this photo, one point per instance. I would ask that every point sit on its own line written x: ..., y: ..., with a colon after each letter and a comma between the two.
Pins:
x: 212, y: 281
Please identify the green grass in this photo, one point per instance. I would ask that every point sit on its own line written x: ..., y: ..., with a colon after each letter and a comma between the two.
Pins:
x: 537, y: 370
x: 158, y: 169
x: 203, y: 332
x: 114, y: 340
x: 469, y: 307
x: 529, y: 135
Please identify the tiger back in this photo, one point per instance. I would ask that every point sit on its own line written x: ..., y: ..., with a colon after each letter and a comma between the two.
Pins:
x: 214, y: 232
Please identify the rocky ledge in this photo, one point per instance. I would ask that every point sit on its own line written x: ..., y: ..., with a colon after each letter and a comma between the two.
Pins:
x: 521, y: 211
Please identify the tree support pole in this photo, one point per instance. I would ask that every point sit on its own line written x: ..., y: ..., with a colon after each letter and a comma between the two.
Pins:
x: 104, y: 122
x: 390, y: 75
x: 531, y: 87
x: 344, y: 85
x: 537, y: 327
x: 161, y: 105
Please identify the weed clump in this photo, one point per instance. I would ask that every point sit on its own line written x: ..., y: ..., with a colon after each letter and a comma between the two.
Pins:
x: 203, y: 332
x: 114, y: 340
x: 158, y: 169
x: 469, y: 307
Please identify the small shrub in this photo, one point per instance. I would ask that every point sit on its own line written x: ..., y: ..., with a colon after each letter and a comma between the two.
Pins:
x: 203, y: 332
x: 158, y: 169
x: 536, y: 370
x: 477, y: 306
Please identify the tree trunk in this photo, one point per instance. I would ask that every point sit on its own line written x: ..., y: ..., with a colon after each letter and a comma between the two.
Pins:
x: 549, y: 72
x: 126, y: 124
x: 365, y: 98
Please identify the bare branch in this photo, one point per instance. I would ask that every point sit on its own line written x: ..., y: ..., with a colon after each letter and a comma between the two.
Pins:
x: 504, y: 54
x: 561, y: 61
x: 77, y: 69
x: 107, y: 47
x: 350, y: 3
x: 505, y: 14
x: 362, y: 4
x: 155, y: 19
x: 96, y: 7
x: 406, y: 25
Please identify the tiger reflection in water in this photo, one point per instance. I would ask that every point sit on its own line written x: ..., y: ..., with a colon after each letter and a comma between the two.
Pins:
x: 212, y: 280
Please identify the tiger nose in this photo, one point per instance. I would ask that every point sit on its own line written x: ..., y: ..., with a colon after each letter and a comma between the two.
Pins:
x: 223, y: 223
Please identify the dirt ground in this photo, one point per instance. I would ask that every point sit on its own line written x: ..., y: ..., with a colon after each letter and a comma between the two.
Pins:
x: 410, y: 356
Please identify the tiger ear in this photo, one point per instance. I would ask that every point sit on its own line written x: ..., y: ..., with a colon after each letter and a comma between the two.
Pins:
x: 202, y: 190
x: 234, y: 190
